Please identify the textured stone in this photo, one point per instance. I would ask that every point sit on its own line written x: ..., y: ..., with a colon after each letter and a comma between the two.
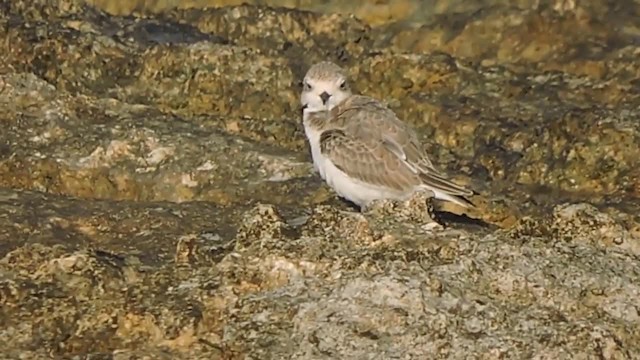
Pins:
x: 157, y: 198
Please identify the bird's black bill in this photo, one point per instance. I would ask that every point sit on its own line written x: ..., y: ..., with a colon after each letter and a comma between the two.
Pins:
x: 325, y: 97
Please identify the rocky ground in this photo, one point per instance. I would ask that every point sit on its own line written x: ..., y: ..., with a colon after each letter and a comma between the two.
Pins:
x: 157, y: 199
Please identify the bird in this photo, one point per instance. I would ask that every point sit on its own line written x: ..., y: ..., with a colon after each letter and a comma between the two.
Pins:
x: 360, y: 147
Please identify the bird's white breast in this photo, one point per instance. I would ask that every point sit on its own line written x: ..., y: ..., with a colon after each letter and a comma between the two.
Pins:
x: 314, y: 142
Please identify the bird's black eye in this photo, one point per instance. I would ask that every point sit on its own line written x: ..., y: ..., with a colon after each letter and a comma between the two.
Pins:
x: 343, y: 85
x: 306, y: 86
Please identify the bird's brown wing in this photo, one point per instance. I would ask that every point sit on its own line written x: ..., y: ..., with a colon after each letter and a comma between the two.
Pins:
x: 370, y: 122
x: 367, y: 161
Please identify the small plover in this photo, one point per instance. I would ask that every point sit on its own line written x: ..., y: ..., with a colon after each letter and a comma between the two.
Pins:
x: 360, y: 147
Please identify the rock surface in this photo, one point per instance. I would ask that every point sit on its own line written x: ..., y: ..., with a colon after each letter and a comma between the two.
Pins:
x: 157, y: 198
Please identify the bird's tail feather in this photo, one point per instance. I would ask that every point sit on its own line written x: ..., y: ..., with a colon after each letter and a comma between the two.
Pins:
x: 444, y: 189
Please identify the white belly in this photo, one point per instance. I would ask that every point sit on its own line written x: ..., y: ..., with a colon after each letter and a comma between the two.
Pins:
x: 351, y: 189
x: 356, y: 191
x: 314, y: 143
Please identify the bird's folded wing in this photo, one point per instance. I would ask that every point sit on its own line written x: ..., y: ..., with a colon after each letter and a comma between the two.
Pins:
x: 410, y: 151
x: 367, y: 118
x: 417, y: 161
x: 369, y: 162
x: 392, y: 143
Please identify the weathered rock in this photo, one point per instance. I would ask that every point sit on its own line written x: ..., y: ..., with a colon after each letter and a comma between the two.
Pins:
x: 157, y: 199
